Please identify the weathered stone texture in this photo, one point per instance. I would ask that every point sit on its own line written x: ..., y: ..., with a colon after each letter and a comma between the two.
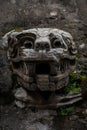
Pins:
x: 70, y: 15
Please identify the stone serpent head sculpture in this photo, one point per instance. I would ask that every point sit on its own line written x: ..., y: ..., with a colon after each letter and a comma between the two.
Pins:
x: 42, y: 59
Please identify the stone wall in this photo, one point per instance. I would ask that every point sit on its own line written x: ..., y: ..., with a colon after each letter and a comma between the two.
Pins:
x: 68, y: 15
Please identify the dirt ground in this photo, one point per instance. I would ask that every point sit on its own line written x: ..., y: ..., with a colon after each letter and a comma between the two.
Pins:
x: 13, y: 118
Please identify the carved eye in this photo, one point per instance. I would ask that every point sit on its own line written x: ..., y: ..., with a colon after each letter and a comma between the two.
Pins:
x: 28, y: 44
x: 26, y: 41
x: 56, y: 44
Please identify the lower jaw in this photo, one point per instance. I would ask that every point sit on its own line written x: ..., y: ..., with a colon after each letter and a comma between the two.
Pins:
x: 46, y: 99
x: 45, y: 82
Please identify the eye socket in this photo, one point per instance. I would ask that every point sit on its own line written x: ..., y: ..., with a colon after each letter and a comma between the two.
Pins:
x: 28, y: 44
x: 56, y: 44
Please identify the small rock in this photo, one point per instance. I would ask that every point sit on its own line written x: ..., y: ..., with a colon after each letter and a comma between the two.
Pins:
x: 74, y: 117
x: 13, y: 1
x: 53, y: 14
x: 82, y: 46
x: 21, y: 94
x: 20, y: 104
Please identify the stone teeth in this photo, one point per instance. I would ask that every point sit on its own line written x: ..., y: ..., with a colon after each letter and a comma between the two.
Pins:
x: 25, y: 68
x: 59, y: 67
x: 63, y: 66
x: 53, y: 69
x: 67, y: 64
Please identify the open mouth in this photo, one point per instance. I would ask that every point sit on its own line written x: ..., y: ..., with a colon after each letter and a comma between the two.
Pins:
x: 45, y: 75
x: 42, y: 68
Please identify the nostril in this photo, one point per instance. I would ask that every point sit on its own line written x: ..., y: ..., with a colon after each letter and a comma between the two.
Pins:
x: 37, y: 46
x: 42, y: 46
x: 47, y: 46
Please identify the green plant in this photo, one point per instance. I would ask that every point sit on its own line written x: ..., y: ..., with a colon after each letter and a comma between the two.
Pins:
x: 17, y: 28
x: 83, y: 77
x: 72, y: 88
x: 64, y: 111
x: 74, y: 84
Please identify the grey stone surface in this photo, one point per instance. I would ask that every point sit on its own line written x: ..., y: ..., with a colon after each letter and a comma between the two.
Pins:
x: 13, y: 118
x: 20, y: 14
x: 5, y: 74
x: 70, y: 15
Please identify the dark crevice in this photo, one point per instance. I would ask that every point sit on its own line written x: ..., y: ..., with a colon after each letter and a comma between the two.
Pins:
x: 42, y: 68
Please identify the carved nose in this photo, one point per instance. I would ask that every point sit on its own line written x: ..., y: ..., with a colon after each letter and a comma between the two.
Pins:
x: 42, y: 46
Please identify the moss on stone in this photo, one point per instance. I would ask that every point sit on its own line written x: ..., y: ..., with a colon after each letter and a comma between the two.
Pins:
x: 65, y: 111
x: 83, y: 77
x: 74, y: 83
x: 17, y: 28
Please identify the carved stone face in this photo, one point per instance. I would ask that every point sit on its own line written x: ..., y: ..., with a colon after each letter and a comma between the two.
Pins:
x: 42, y: 58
